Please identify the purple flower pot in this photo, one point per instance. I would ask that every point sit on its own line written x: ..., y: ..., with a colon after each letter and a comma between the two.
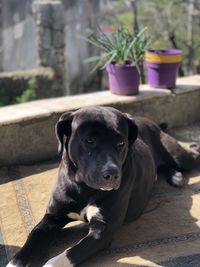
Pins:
x: 123, y: 79
x: 162, y: 67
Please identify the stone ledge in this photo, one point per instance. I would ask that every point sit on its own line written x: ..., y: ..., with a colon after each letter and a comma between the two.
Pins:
x: 47, y: 107
x: 27, y: 130
x: 27, y: 74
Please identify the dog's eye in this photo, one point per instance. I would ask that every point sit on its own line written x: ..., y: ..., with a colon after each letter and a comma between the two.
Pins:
x: 120, y: 144
x: 89, y: 141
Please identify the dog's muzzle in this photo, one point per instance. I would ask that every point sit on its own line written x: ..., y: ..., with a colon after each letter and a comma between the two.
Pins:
x: 111, y: 178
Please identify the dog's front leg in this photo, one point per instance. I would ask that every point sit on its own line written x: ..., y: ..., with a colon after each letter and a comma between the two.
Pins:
x: 38, y: 240
x: 98, y: 238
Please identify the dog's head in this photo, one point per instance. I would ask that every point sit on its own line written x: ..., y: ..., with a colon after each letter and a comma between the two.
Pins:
x: 96, y: 141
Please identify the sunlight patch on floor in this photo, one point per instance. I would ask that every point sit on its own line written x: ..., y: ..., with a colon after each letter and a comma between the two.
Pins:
x: 137, y: 261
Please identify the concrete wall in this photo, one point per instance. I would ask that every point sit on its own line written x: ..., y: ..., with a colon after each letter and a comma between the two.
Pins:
x: 18, y: 36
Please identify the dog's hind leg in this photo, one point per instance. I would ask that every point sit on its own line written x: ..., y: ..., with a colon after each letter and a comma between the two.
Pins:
x: 177, y: 157
x: 173, y: 177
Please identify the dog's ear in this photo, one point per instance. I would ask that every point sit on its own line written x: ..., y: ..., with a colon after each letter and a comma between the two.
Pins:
x: 132, y: 128
x: 63, y: 128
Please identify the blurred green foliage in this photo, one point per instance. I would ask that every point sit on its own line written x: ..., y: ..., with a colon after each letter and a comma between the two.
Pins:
x: 28, y: 94
x: 167, y: 20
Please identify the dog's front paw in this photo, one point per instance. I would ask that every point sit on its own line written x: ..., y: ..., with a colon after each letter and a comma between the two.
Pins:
x: 14, y: 264
x: 59, y: 261
x: 19, y: 260
x: 10, y: 265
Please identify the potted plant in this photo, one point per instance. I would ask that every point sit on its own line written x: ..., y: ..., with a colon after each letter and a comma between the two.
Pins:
x: 162, y: 67
x: 121, y: 54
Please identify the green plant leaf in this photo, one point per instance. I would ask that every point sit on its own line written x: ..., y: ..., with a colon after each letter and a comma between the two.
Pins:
x: 120, y: 45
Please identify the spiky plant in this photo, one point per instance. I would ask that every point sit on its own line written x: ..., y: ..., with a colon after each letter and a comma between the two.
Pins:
x: 120, y: 46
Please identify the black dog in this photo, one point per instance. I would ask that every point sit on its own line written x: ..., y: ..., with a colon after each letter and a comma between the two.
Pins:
x: 108, y: 169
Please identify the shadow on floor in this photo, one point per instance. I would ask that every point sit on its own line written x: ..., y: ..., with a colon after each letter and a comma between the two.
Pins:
x: 3, y: 253
x: 11, y: 173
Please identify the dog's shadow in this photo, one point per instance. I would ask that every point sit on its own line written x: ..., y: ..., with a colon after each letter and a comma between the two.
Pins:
x: 163, y: 232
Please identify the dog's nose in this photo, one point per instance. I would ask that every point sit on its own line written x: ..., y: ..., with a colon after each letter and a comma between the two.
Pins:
x: 111, y: 173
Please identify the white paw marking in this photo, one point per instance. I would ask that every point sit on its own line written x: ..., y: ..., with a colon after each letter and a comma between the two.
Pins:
x: 11, y: 265
x: 89, y: 212
x: 177, y: 179
x: 59, y: 261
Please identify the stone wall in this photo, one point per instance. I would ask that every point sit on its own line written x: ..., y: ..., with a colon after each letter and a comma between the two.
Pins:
x: 18, y: 36
x: 46, y: 33
x: 79, y: 18
x: 50, y: 39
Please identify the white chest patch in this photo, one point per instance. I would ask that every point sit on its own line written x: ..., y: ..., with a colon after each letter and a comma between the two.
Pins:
x: 89, y: 212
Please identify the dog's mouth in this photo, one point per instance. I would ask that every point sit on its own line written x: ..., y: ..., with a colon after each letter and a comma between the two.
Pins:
x: 110, y: 188
x: 102, y: 185
x: 107, y: 188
